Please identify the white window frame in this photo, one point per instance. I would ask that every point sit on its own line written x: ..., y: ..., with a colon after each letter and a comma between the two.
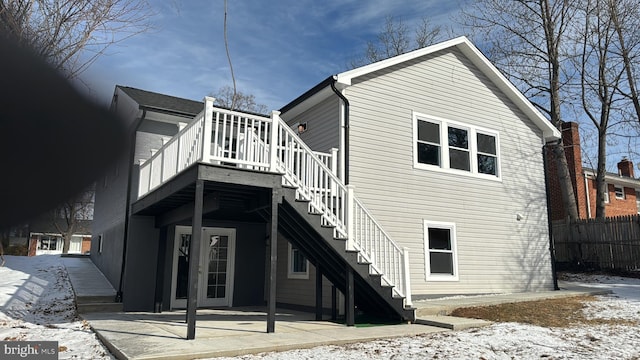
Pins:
x: 615, y: 190
x: 606, y: 193
x: 638, y: 200
x: 454, y: 251
x: 290, y: 273
x: 473, y: 132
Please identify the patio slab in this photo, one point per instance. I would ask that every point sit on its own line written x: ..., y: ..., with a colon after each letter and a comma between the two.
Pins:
x: 229, y: 332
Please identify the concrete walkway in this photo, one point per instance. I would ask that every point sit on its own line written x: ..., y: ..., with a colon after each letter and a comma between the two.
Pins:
x: 239, y: 331
x: 86, y: 279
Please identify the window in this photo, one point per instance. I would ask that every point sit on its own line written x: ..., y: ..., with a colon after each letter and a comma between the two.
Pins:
x: 606, y: 193
x: 619, y: 192
x: 298, y: 264
x: 48, y: 243
x: 638, y: 200
x: 100, y: 240
x: 440, y: 251
x: 467, y: 149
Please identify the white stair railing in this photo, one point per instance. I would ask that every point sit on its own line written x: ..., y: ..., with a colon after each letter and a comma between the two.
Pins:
x: 339, y: 207
x: 221, y: 136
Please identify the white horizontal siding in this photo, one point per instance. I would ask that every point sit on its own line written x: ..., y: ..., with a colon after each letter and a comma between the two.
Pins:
x: 298, y: 291
x: 495, y: 252
x: 323, y: 121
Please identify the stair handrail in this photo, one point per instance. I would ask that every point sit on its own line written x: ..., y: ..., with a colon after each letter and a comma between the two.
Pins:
x: 387, y: 259
x: 340, y: 208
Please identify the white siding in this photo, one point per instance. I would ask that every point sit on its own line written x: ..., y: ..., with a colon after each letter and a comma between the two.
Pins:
x: 495, y: 251
x: 301, y: 292
x: 323, y: 122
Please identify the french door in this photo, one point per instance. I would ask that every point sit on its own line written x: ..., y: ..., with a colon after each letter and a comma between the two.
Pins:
x: 216, y: 264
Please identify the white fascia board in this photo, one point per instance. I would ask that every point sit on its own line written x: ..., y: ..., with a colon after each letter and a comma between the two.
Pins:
x: 614, y: 179
x: 549, y: 132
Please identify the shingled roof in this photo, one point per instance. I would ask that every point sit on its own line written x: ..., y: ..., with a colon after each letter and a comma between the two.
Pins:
x: 158, y: 101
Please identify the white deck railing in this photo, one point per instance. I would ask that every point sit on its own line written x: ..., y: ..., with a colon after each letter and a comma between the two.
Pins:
x: 224, y: 137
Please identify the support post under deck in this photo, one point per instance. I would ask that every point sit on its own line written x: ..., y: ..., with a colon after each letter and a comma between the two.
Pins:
x: 194, y: 260
x: 350, y: 307
x: 318, y: 292
x: 273, y: 262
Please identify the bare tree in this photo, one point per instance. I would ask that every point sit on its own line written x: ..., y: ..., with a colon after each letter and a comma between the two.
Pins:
x: 395, y: 38
x: 607, y: 47
x: 72, y: 216
x: 229, y: 98
x: 526, y: 41
x: 72, y: 34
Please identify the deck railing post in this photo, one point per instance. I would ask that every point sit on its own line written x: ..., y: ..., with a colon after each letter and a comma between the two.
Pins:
x: 350, y: 217
x: 406, y: 277
x: 273, y: 145
x: 334, y: 161
x: 207, y: 128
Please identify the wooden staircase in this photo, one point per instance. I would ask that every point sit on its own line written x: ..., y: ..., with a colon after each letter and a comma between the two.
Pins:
x: 305, y: 230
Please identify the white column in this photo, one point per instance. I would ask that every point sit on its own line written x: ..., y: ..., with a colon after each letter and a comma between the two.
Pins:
x: 350, y: 217
x: 208, y: 127
x: 275, y: 136
x: 406, y: 277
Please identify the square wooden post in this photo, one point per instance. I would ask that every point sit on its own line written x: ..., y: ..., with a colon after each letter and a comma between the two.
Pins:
x: 273, y: 261
x: 318, y: 292
x: 349, y: 303
x: 194, y: 260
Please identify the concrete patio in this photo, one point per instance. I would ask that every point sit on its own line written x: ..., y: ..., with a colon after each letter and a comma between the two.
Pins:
x: 239, y: 331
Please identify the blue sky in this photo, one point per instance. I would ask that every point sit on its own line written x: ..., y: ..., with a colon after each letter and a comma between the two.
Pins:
x: 279, y: 49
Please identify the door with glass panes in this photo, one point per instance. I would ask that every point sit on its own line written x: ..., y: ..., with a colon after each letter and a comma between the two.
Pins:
x: 216, y: 263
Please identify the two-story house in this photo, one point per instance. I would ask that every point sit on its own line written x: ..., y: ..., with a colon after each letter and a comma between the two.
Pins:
x: 415, y: 176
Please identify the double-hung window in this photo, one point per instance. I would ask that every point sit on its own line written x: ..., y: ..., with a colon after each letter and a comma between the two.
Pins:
x: 440, y: 251
x: 298, y: 264
x: 619, y: 192
x: 445, y: 145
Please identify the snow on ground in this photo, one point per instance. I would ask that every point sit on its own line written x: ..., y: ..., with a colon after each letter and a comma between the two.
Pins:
x: 36, y: 304
x: 512, y: 340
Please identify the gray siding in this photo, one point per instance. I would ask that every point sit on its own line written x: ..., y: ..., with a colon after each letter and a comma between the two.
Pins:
x: 323, y: 125
x: 299, y: 292
x: 495, y: 252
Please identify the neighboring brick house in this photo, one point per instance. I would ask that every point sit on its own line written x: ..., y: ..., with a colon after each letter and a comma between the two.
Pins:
x: 45, y: 239
x: 623, y: 188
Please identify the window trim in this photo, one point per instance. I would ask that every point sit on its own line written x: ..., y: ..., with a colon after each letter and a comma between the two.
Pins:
x: 615, y: 191
x: 606, y: 193
x: 444, y: 166
x: 290, y: 273
x: 454, y: 250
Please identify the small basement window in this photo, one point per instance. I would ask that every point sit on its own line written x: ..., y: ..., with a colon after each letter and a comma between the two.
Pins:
x: 440, y: 251
x: 298, y: 265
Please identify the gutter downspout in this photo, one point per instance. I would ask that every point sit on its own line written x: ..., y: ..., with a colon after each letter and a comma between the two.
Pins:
x: 552, y: 249
x: 346, y: 129
x: 127, y: 211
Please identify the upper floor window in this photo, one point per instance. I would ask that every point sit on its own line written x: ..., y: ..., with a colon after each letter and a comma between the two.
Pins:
x: 447, y: 145
x: 619, y: 192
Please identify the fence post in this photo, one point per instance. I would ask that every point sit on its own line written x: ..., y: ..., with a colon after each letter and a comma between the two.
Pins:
x: 275, y: 136
x: 406, y: 277
x: 350, y: 217
x: 207, y: 128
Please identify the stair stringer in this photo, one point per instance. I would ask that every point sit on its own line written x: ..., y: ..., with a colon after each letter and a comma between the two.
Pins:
x: 307, y: 232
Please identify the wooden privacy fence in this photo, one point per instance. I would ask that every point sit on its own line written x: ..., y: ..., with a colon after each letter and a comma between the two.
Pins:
x: 610, y: 243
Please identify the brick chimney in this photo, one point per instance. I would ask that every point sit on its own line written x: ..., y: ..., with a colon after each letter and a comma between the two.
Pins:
x: 625, y: 167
